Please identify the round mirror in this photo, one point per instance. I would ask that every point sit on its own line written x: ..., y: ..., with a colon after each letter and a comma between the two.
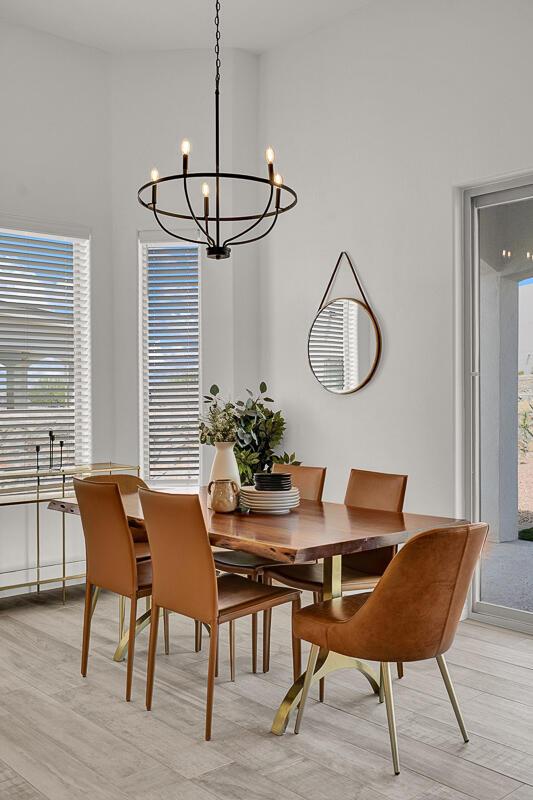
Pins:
x: 344, y: 345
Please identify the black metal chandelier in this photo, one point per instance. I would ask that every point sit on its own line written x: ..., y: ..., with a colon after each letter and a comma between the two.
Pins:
x: 280, y: 198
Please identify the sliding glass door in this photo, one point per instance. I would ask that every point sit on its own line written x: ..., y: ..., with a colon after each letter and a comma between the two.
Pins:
x: 501, y: 400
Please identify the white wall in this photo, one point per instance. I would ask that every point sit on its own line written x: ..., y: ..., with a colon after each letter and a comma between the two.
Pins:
x: 54, y: 172
x: 376, y: 120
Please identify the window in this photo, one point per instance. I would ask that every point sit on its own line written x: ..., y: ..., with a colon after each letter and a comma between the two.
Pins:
x: 170, y: 391
x: 44, y: 350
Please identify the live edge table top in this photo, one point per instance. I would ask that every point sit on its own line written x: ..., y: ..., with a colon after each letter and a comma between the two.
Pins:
x: 312, y: 531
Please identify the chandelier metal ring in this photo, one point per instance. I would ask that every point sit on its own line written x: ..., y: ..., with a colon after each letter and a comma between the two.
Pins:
x: 233, y: 175
x: 217, y: 245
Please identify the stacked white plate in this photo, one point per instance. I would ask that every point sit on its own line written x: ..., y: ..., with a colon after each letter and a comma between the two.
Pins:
x: 269, y: 502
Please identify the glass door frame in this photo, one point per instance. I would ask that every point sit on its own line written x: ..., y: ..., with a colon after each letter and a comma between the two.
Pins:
x: 473, y: 199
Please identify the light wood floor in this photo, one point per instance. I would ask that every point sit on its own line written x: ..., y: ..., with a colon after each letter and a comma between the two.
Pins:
x: 62, y: 737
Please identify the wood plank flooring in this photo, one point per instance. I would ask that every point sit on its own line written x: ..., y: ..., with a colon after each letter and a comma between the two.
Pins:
x: 65, y: 737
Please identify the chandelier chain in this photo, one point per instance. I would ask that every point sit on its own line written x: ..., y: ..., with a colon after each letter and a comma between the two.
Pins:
x: 217, y: 37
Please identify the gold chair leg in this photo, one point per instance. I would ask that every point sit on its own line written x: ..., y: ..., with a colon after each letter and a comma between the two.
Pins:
x: 152, y: 647
x: 391, y: 718
x: 217, y: 649
x: 121, y: 615
x: 311, y: 664
x: 131, y: 646
x: 232, y: 649
x: 451, y: 694
x: 381, y: 692
x: 166, y: 630
x: 399, y: 668
x: 197, y: 635
x: 213, y: 659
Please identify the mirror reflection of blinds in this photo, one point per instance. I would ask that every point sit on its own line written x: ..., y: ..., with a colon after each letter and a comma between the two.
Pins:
x: 44, y: 352
x: 326, y: 346
x: 171, y: 370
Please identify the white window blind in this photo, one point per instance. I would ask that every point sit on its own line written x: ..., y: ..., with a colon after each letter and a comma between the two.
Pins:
x: 44, y: 351
x: 170, y: 362
x: 326, y: 346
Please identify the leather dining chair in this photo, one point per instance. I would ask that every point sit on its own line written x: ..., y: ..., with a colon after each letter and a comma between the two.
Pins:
x: 185, y: 581
x: 310, y: 482
x: 110, y: 558
x: 377, y: 490
x: 411, y: 615
x: 129, y: 485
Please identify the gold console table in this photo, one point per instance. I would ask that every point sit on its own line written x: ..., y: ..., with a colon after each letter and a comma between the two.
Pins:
x: 43, y: 494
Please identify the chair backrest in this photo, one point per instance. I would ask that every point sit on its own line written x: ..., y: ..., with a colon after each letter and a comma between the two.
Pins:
x: 128, y: 484
x: 379, y: 490
x: 375, y: 490
x: 108, y: 544
x: 413, y: 612
x: 183, y: 570
x: 309, y: 480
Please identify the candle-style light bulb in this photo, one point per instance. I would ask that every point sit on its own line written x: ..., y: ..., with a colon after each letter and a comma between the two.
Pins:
x: 278, y: 181
x: 185, y: 150
x: 269, y: 155
x: 154, y: 175
x: 205, y: 192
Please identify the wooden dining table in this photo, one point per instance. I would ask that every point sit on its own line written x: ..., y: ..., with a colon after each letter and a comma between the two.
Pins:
x: 313, y: 531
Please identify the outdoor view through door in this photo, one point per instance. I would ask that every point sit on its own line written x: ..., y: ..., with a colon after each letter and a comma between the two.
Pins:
x: 506, y: 402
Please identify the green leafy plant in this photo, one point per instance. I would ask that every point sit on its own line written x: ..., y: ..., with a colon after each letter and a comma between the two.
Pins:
x: 219, y: 423
x: 259, y: 431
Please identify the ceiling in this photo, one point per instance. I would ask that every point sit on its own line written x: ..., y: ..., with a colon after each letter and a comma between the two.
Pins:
x: 136, y: 25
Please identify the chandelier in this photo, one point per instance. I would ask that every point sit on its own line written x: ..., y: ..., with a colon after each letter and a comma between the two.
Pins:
x: 279, y: 197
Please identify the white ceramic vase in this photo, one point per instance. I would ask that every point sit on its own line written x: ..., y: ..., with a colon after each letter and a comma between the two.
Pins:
x: 224, y: 465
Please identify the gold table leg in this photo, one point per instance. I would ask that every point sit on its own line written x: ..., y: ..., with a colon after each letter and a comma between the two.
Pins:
x: 121, y: 615
x: 327, y: 661
x: 142, y: 622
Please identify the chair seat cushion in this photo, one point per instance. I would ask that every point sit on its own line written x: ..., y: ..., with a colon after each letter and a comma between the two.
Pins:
x: 313, y: 622
x: 229, y: 560
x: 310, y: 577
x: 238, y: 596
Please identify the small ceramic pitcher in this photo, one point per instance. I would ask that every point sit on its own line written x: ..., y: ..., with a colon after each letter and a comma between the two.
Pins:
x: 224, y: 495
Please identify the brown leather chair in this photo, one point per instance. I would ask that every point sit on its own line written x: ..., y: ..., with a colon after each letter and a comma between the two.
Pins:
x: 310, y: 482
x: 184, y: 581
x: 360, y: 571
x: 110, y: 557
x: 128, y: 485
x: 411, y: 615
